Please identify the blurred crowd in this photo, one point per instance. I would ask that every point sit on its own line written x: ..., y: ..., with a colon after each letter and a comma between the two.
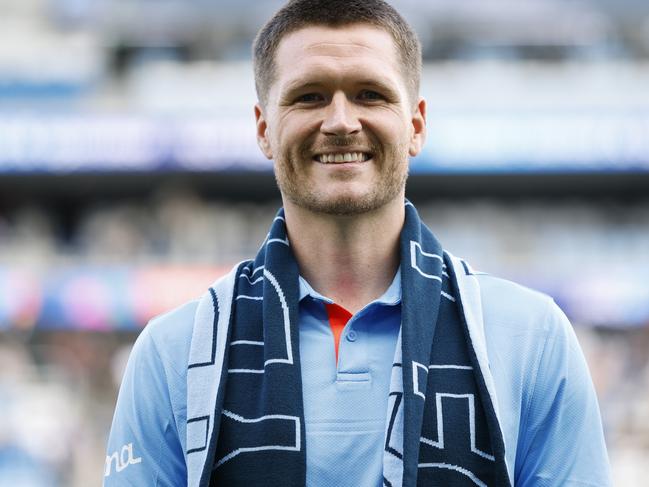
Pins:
x: 177, y: 225
x: 173, y: 226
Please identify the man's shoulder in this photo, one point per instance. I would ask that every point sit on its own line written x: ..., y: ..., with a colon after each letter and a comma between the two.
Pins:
x: 174, y: 325
x: 493, y: 287
x: 171, y: 333
x: 508, y: 304
x: 169, y: 336
x: 500, y: 295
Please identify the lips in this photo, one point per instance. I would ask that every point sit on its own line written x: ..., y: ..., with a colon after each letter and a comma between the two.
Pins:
x: 342, y: 157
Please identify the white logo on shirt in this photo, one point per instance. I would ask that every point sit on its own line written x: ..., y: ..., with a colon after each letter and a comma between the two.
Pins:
x: 122, y: 458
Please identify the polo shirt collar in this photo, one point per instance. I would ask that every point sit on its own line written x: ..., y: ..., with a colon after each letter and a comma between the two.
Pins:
x: 390, y: 297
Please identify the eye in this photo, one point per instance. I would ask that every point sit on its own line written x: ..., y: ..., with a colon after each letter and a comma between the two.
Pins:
x: 309, y: 98
x: 370, y: 95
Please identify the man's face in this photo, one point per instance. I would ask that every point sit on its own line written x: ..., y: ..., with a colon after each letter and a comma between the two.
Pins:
x: 338, y: 121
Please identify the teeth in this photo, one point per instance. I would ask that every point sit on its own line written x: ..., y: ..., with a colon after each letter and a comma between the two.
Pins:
x: 346, y: 157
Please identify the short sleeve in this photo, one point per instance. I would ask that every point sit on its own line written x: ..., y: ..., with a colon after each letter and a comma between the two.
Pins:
x: 144, y: 446
x: 561, y: 439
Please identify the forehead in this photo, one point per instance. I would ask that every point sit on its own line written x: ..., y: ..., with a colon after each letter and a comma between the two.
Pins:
x: 333, y: 48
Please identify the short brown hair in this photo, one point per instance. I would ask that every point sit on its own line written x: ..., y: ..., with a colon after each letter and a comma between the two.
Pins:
x: 297, y: 14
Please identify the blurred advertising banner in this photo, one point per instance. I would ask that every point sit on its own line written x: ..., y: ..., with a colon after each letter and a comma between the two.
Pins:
x: 99, y: 298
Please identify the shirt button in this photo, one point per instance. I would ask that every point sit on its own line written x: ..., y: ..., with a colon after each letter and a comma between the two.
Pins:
x: 352, y: 336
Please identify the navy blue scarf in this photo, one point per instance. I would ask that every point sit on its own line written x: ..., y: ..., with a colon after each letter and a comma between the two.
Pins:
x: 442, y: 428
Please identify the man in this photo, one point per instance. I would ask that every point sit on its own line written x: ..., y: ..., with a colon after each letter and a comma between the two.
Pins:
x: 353, y: 351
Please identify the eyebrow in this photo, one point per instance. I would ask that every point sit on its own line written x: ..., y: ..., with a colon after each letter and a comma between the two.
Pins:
x: 299, y: 84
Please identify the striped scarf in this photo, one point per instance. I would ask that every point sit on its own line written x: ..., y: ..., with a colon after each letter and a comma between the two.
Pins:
x: 245, y: 413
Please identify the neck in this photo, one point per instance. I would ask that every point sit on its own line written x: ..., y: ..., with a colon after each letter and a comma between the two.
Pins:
x: 350, y: 259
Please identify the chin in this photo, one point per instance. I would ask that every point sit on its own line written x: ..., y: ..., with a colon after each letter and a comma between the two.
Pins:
x: 342, y: 205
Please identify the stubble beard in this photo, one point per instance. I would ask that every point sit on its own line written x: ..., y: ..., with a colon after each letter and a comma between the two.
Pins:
x: 295, y: 185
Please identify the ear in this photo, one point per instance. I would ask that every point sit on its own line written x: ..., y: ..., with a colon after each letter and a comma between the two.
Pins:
x: 262, y: 132
x: 419, y: 128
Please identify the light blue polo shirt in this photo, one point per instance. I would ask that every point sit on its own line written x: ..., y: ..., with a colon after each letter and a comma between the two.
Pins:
x: 345, y: 406
x: 548, y: 409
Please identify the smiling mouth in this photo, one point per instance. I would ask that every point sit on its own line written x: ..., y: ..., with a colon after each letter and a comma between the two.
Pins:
x: 342, y: 157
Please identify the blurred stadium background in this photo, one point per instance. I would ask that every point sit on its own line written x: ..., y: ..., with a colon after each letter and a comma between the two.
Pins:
x: 130, y: 179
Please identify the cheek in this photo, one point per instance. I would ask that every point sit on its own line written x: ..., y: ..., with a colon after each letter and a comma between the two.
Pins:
x: 390, y: 128
x: 293, y: 135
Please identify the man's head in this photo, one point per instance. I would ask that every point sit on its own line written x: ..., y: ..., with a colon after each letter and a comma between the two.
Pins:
x: 298, y: 14
x: 337, y: 114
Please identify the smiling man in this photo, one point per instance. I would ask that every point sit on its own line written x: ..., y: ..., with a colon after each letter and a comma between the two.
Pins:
x: 353, y: 350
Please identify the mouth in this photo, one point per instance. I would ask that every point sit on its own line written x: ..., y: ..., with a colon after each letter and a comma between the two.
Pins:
x: 342, y: 157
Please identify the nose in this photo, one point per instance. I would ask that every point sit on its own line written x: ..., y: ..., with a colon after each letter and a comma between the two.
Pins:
x: 340, y: 117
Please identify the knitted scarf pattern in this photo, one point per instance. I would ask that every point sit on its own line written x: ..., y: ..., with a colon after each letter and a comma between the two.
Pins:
x: 245, y: 413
